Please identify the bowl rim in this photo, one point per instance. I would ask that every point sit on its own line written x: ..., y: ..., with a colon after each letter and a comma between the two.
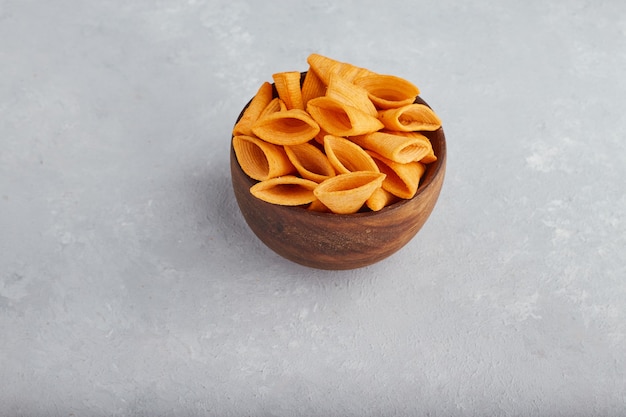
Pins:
x: 433, y: 172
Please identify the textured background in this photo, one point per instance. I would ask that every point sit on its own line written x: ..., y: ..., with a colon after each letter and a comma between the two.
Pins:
x: 130, y: 284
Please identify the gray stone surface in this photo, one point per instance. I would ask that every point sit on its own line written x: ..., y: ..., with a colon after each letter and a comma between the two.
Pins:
x: 130, y: 284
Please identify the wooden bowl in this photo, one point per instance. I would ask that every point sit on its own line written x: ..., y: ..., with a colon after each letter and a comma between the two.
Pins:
x: 340, y: 241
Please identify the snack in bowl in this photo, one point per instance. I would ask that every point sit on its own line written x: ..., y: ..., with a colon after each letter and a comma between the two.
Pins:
x: 336, y: 143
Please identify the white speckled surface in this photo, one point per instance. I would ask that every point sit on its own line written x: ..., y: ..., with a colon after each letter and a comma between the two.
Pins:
x: 130, y: 284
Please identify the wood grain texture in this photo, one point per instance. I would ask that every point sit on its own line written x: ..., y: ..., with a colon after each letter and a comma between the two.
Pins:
x: 339, y: 241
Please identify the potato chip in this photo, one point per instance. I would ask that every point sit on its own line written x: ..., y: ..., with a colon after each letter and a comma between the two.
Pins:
x: 324, y: 66
x: 287, y: 190
x: 400, y: 147
x: 380, y: 199
x: 312, y: 87
x: 288, y: 127
x: 288, y: 89
x: 388, y: 91
x: 318, y: 206
x: 409, y: 118
x: 310, y: 162
x: 251, y: 114
x: 430, y: 157
x: 319, y: 138
x: 402, y: 179
x: 261, y: 160
x: 321, y: 65
x: 346, y: 193
x: 346, y: 156
x: 349, y: 72
x: 274, y: 106
x: 351, y: 95
x: 340, y: 119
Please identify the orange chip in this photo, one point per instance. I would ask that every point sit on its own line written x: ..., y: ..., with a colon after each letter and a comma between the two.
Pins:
x: 402, y: 179
x: 251, y: 114
x: 346, y: 156
x: 430, y: 157
x: 317, y: 205
x: 388, y: 91
x: 288, y: 127
x: 400, y: 147
x: 310, y: 162
x: 312, y: 87
x: 346, y: 193
x: 380, y: 199
x: 288, y: 89
x: 288, y: 190
x: 351, y: 95
x: 325, y: 66
x: 340, y: 119
x: 275, y: 105
x: 410, y: 118
x: 261, y: 160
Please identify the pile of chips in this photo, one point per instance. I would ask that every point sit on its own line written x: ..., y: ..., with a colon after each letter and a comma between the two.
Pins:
x: 342, y: 139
